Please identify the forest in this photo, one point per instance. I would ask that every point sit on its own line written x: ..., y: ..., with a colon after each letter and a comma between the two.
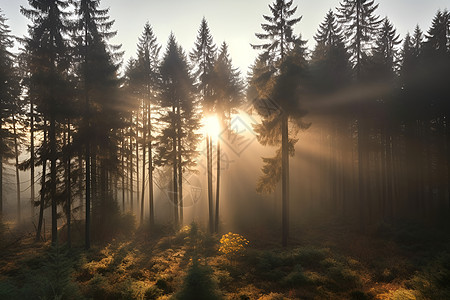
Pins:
x: 319, y: 173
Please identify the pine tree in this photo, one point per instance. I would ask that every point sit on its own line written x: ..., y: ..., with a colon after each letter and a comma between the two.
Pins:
x: 227, y: 87
x: 8, y: 97
x: 203, y: 58
x: 330, y: 58
x: 143, y: 80
x: 47, y: 47
x: 385, y: 56
x: 98, y: 67
x: 277, y: 76
x: 360, y: 26
x: 178, y: 140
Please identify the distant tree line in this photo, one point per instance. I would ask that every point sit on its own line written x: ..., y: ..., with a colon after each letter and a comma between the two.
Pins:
x: 377, y: 104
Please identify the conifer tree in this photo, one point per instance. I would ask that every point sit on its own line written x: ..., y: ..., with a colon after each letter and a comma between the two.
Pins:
x: 143, y: 80
x: 277, y: 76
x: 98, y: 64
x: 8, y: 97
x: 49, y: 64
x: 360, y: 26
x: 330, y: 58
x: 178, y: 139
x: 227, y: 87
x: 202, y: 58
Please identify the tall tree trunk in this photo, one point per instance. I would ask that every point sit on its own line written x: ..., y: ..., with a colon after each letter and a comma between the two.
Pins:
x: 131, y: 170
x: 175, y: 171
x: 1, y: 177
x: 16, y: 155
x: 285, y: 179
x: 180, y: 168
x: 209, y: 176
x: 87, y: 121
x: 122, y: 154
x: 69, y: 189
x: 150, y: 168
x: 144, y: 147
x: 52, y: 139
x: 32, y: 157
x: 137, y: 161
x: 216, y: 220
x: 42, y: 192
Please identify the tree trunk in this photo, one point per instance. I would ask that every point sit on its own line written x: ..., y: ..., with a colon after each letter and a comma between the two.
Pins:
x: 32, y: 157
x: 180, y: 169
x: 131, y: 170
x: 69, y: 189
x: 285, y: 179
x: 52, y: 138
x: 16, y: 155
x: 144, y: 141
x: 122, y: 152
x: 137, y: 163
x: 175, y: 170
x: 150, y: 168
x: 42, y: 192
x: 209, y: 176
x: 216, y: 227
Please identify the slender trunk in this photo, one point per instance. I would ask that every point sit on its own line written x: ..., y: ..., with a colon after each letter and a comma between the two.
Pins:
x: 42, y: 192
x: 175, y: 170
x: 122, y: 152
x: 285, y: 179
x: 209, y: 176
x: 1, y: 176
x: 16, y: 154
x: 144, y: 146
x: 137, y: 162
x: 180, y: 169
x: 150, y: 168
x: 52, y: 139
x: 69, y: 190
x: 88, y: 145
x: 131, y: 170
x: 32, y: 157
x: 216, y: 223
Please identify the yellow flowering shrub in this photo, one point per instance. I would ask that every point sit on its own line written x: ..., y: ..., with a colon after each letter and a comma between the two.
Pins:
x: 232, y: 244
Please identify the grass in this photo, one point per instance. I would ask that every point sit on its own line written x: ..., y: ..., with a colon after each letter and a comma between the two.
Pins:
x: 392, y: 264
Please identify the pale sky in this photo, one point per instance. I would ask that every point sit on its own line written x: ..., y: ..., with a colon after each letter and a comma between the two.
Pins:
x: 233, y: 21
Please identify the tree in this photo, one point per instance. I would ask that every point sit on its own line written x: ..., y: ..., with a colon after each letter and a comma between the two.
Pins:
x: 8, y: 97
x: 227, y: 88
x: 203, y: 57
x: 97, y: 69
x: 277, y: 76
x: 143, y: 80
x: 330, y: 59
x: 49, y: 65
x: 179, y: 113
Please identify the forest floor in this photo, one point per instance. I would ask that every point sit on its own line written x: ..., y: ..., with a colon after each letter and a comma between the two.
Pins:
x: 327, y: 262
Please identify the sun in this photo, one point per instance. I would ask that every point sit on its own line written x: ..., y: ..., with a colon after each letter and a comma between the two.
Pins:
x: 211, y: 126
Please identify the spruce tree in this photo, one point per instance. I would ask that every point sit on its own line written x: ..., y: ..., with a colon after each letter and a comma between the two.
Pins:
x: 143, y: 81
x: 8, y: 97
x: 178, y: 140
x: 277, y: 77
x: 360, y: 27
x: 227, y: 87
x: 202, y: 58
x: 47, y: 46
x: 98, y: 63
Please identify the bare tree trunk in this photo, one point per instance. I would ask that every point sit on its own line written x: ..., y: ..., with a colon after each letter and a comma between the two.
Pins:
x: 122, y: 152
x: 42, y: 192
x: 180, y: 169
x: 69, y: 189
x: 137, y: 161
x: 32, y: 157
x: 209, y: 176
x: 52, y: 138
x: 131, y: 170
x: 285, y: 179
x: 144, y: 141
x: 16, y: 154
x: 150, y: 167
x: 216, y: 227
x: 175, y: 170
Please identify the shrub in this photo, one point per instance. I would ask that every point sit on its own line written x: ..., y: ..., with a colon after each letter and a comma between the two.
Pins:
x: 198, y: 284
x: 232, y: 245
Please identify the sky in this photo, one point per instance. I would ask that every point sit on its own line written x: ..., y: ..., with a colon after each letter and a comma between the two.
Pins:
x: 232, y: 21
